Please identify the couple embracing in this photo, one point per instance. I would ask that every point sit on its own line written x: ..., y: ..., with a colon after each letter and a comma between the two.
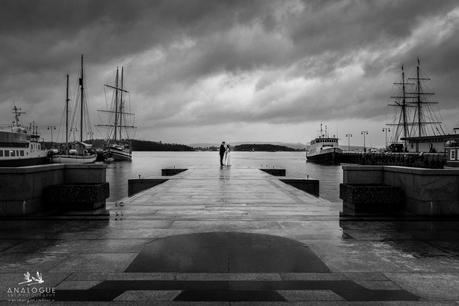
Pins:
x: 224, y: 154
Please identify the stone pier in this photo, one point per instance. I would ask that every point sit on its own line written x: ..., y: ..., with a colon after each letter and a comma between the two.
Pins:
x: 224, y: 236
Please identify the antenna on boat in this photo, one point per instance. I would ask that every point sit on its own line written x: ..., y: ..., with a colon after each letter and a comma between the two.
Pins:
x: 17, y: 113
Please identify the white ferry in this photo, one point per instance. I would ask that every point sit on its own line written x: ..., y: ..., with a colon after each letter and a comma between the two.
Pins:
x: 324, y: 149
x: 20, y: 146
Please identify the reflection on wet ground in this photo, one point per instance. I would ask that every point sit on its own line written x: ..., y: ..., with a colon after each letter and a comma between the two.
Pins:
x: 257, y: 239
x: 226, y: 252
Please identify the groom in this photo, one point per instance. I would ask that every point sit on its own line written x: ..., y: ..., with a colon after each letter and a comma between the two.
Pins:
x: 222, y: 153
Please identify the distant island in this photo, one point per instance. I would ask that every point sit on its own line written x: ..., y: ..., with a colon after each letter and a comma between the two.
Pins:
x: 148, y: 145
x: 262, y: 147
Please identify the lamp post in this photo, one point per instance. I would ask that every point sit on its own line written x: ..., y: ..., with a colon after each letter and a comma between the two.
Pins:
x: 385, y: 130
x: 364, y: 147
x: 51, y: 128
x: 349, y: 141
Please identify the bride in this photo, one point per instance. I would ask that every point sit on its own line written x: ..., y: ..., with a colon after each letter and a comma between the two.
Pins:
x: 227, y: 156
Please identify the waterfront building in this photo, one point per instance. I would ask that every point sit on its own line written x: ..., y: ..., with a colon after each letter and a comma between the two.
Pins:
x: 429, y: 144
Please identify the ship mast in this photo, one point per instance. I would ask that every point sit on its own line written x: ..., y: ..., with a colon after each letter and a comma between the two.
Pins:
x: 81, y: 100
x: 402, y: 103
x: 67, y: 116
x: 419, y: 101
x: 121, y: 103
x: 116, y: 104
x: 119, y: 107
x: 17, y: 112
x: 422, y: 114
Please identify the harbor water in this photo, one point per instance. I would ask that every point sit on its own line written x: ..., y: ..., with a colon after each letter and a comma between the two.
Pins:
x: 148, y: 164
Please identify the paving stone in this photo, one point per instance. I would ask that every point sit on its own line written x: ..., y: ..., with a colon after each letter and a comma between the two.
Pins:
x: 77, y: 285
x: 100, y: 262
x: 148, y: 295
x: 310, y: 295
x: 229, y: 276
x: 432, y: 286
x: 394, y: 257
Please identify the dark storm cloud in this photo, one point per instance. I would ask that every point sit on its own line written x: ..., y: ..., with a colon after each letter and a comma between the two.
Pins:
x: 207, y: 62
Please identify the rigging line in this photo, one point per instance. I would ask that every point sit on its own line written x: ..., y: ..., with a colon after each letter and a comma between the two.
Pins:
x: 60, y: 124
x: 88, y: 119
x: 72, y: 125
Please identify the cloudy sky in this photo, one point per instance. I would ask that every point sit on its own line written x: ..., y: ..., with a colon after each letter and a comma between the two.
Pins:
x: 204, y: 71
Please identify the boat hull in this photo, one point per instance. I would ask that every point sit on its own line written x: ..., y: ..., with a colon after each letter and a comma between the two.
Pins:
x: 74, y: 159
x: 119, y: 155
x: 331, y: 157
x: 23, y: 162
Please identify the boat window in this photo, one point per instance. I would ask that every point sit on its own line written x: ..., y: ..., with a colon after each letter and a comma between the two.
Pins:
x: 7, y: 153
x: 12, y: 153
x: 22, y: 152
x: 1, y: 153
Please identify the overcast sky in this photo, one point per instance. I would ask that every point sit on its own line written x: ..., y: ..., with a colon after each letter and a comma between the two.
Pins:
x: 206, y: 71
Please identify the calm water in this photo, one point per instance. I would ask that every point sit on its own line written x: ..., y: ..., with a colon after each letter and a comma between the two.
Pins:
x: 149, y: 164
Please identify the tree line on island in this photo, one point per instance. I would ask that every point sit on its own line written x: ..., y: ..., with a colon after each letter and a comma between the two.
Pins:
x: 148, y: 145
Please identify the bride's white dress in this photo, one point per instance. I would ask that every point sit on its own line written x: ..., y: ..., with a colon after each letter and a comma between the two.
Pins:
x: 227, y: 158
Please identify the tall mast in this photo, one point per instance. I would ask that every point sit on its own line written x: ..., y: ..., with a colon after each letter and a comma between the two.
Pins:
x: 67, y: 115
x: 424, y: 115
x: 405, y: 120
x: 400, y: 101
x: 81, y: 100
x: 121, y: 103
x: 116, y: 104
x: 418, y: 100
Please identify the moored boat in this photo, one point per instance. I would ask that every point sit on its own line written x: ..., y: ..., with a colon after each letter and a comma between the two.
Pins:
x: 77, y: 152
x: 324, y: 149
x: 120, y: 152
x: 20, y: 146
x: 118, y: 146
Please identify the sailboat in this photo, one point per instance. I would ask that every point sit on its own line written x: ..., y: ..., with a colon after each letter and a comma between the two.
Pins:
x: 118, y: 146
x: 416, y: 122
x: 77, y: 152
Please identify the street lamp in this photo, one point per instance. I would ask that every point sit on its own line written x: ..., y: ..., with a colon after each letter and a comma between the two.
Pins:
x: 349, y: 141
x: 385, y: 130
x: 364, y: 147
x: 51, y: 128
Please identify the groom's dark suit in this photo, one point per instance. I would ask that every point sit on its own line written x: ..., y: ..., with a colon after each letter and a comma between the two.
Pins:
x: 222, y: 153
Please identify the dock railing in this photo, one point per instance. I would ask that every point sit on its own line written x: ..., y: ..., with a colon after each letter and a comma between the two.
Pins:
x: 419, y: 160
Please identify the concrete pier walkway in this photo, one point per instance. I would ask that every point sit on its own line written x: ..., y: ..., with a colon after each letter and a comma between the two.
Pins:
x: 229, y: 236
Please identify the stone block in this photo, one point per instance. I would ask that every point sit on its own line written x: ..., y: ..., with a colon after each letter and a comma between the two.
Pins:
x: 171, y: 171
x: 363, y: 175
x: 369, y: 199
x: 307, y: 185
x: 85, y: 173
x: 138, y: 185
x: 433, y: 192
x: 76, y: 196
x: 275, y: 172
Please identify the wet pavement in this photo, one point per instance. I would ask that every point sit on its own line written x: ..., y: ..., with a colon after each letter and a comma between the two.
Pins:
x: 229, y: 236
